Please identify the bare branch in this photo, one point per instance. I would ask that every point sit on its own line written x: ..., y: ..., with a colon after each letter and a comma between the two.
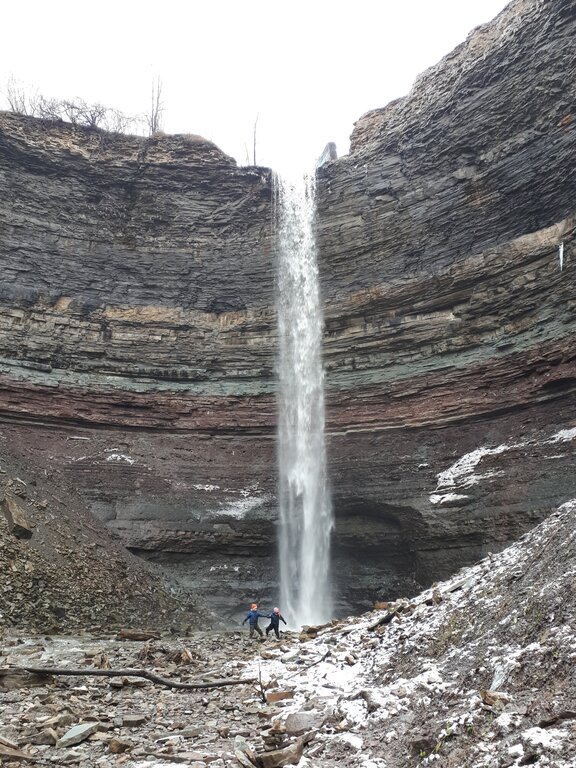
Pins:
x: 79, y: 112
x: 132, y: 673
x: 255, y: 124
x: 154, y: 117
x: 19, y: 101
x: 49, y: 109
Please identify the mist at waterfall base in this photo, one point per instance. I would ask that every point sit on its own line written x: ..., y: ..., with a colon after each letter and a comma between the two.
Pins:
x: 305, y: 511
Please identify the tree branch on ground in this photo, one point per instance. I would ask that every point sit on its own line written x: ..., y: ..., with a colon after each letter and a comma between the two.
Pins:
x: 132, y: 673
x: 309, y: 666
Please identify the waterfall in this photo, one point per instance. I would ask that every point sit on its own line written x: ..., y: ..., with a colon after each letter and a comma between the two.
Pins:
x: 305, y: 512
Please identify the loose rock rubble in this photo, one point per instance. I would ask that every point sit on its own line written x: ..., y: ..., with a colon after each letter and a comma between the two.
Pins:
x: 128, y: 720
x: 64, y: 572
x: 476, y: 672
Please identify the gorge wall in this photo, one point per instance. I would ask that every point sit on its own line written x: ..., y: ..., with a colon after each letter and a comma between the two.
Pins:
x: 138, y: 340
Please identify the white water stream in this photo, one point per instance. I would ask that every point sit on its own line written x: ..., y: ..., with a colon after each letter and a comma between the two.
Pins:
x: 304, y: 502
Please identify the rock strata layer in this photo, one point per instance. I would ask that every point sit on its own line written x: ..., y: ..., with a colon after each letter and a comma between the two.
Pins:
x: 137, y: 323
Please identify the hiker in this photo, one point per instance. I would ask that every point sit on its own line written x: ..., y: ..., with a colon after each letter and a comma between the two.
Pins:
x: 252, y: 617
x: 275, y: 619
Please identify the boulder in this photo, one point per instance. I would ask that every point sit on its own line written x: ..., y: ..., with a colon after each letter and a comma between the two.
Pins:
x: 18, y: 523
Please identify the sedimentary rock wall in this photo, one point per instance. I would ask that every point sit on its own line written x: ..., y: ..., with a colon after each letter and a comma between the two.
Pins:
x: 447, y: 242
x: 137, y: 326
x: 137, y: 330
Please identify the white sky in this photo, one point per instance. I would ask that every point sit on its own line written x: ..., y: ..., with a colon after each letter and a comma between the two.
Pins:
x: 307, y: 68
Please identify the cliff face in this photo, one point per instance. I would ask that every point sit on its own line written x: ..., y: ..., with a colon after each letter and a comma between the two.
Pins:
x: 137, y: 330
x: 450, y: 316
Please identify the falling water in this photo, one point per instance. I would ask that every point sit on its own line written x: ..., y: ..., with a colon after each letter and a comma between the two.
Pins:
x: 305, y: 510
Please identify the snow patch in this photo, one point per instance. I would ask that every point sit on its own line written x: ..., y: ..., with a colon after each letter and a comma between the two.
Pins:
x: 462, y: 471
x: 444, y: 498
x: 121, y: 458
x: 516, y: 750
x: 551, y: 738
x: 456, y: 474
x: 352, y: 739
x: 355, y: 712
x: 372, y: 762
x: 506, y: 721
x: 563, y: 436
x: 241, y: 507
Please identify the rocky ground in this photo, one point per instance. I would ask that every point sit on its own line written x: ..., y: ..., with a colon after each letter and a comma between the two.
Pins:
x: 476, y: 672
x: 64, y: 571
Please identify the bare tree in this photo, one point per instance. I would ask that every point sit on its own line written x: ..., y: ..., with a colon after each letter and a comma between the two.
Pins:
x: 23, y: 101
x: 19, y: 100
x: 49, y: 109
x: 70, y: 111
x: 254, y: 144
x: 117, y: 122
x: 91, y: 115
x: 154, y: 117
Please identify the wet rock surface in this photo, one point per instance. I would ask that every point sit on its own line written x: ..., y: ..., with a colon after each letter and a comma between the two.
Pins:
x: 475, y: 673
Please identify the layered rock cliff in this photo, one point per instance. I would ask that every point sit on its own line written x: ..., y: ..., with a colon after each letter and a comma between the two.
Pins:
x: 137, y: 328
x: 447, y: 242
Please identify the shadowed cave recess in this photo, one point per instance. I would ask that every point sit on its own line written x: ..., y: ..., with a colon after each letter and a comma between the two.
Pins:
x: 138, y: 332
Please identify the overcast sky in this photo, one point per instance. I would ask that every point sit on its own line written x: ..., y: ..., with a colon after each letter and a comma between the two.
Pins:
x: 304, y: 69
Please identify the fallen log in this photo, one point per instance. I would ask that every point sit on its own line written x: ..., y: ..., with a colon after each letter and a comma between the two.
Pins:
x: 137, y: 634
x: 386, y: 619
x: 132, y: 673
x: 566, y: 714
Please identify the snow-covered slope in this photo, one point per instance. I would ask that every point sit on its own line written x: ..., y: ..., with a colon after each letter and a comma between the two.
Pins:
x: 476, y: 672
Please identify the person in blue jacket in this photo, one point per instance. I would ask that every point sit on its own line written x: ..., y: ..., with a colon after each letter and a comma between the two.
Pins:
x: 275, y: 619
x: 252, y: 617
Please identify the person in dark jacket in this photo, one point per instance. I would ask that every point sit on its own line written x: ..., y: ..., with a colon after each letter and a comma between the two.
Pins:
x: 252, y: 617
x: 275, y: 619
